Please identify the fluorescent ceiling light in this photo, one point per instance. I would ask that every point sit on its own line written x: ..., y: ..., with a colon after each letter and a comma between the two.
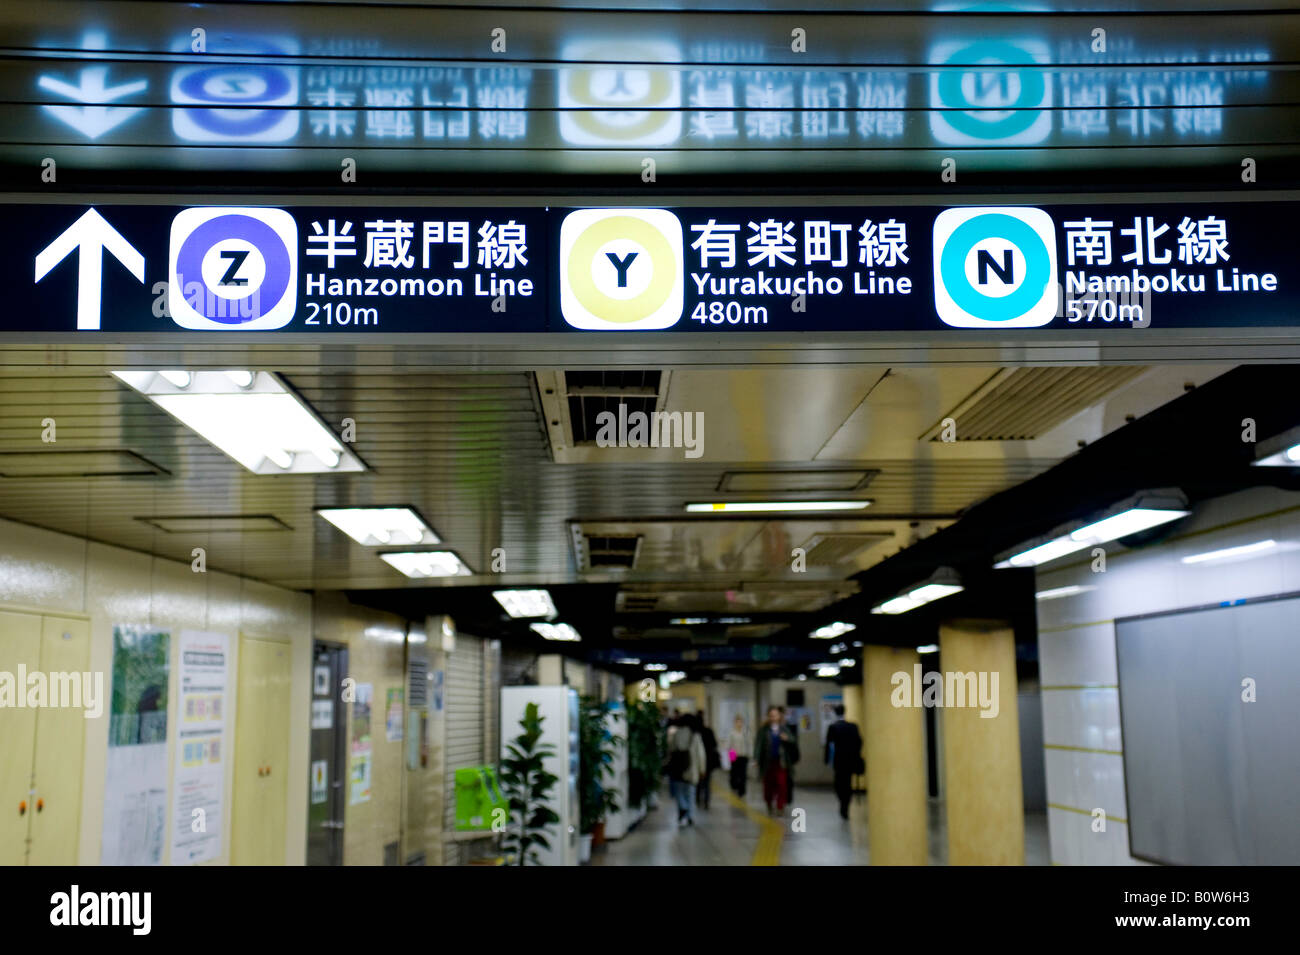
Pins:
x: 832, y: 630
x: 1288, y: 458
x: 628, y: 661
x: 427, y: 563
x: 378, y: 526
x: 828, y: 671
x: 928, y: 648
x: 919, y: 596
x: 656, y: 667
x: 1228, y: 553
x: 730, y: 620
x: 555, y: 631
x: 265, y: 427
x: 674, y: 676
x: 1126, y: 522
x: 1057, y: 592
x: 525, y: 603
x: 745, y: 507
x: 1044, y: 552
x: 848, y: 662
x: 687, y: 621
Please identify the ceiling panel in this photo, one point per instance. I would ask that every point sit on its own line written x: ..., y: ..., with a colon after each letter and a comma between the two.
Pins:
x: 468, y: 450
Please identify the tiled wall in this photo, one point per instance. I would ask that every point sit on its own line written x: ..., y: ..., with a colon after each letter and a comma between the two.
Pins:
x: 44, y: 571
x: 1076, y: 638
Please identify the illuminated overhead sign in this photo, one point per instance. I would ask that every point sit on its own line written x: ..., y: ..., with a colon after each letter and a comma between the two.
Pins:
x: 345, y: 270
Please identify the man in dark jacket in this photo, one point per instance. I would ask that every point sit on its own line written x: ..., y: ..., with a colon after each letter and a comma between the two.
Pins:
x: 844, y: 754
x: 711, y: 760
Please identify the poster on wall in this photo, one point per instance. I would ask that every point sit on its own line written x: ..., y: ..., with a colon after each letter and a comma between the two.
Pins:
x: 359, y: 766
x: 319, y: 782
x: 200, y: 747
x: 393, y: 715
x: 135, y: 782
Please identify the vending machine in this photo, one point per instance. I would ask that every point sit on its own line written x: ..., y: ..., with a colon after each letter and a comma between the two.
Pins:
x: 558, y: 707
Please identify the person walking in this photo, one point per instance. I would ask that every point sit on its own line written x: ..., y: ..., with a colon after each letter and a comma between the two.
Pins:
x: 686, y: 759
x: 773, y: 749
x: 791, y: 727
x: 844, y: 754
x: 739, y: 746
x: 711, y: 760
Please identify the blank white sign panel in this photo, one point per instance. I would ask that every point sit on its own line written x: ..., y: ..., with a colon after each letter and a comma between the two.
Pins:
x: 1211, y: 778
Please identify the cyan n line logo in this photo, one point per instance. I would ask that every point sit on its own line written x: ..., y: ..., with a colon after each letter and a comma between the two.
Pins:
x: 995, y: 267
x: 1003, y: 98
x: 621, y: 269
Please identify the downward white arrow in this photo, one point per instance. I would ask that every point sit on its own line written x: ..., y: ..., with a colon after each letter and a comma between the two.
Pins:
x: 92, y: 88
x: 92, y: 121
x: 91, y: 234
x: 95, y: 118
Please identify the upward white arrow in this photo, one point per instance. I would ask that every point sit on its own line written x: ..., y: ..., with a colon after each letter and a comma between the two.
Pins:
x: 91, y: 234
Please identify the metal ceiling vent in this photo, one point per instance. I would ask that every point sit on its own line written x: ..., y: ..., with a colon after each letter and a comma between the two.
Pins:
x: 824, y: 550
x: 572, y: 400
x: 597, y: 551
x: 1021, y: 404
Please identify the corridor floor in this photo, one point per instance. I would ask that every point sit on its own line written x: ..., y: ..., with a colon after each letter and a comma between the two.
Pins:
x: 736, y: 833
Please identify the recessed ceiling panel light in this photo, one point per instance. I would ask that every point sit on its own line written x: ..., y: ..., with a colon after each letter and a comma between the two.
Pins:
x: 380, y: 526
x: 525, y: 603
x: 749, y: 507
x: 555, y: 631
x: 264, y: 426
x: 427, y: 563
x: 832, y: 630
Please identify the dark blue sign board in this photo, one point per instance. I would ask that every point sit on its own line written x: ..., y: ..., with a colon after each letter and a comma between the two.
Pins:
x: 348, y: 270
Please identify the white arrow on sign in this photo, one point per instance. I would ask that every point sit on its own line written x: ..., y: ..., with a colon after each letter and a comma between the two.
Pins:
x: 95, y: 118
x: 91, y: 234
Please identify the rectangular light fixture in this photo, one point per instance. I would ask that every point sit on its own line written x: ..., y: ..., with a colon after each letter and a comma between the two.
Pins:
x: 427, y: 563
x: 1288, y: 458
x: 525, y: 603
x: 928, y: 648
x: 656, y: 667
x: 1055, y: 593
x: 941, y: 585
x: 828, y: 671
x: 250, y: 416
x: 555, y: 631
x: 750, y: 507
x: 687, y: 621
x: 1228, y: 553
x: 379, y: 526
x: 34, y: 465
x: 832, y: 630
x: 1128, y: 521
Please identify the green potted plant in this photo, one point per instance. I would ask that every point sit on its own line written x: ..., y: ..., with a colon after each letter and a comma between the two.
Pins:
x: 646, y: 751
x: 527, y: 786
x: 595, y: 762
